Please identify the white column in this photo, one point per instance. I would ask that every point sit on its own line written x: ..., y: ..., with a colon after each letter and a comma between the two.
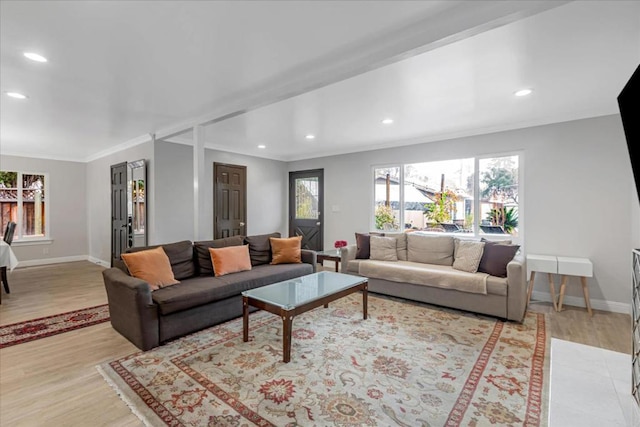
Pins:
x: 198, y: 185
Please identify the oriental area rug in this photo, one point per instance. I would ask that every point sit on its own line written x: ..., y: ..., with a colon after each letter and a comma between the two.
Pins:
x: 18, y: 333
x: 407, y: 365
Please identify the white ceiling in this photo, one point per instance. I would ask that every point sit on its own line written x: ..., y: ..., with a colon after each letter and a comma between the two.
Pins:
x: 118, y: 71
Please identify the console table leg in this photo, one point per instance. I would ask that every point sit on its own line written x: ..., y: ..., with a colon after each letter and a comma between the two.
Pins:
x: 563, y: 285
x: 287, y: 322
x: 585, y: 291
x: 552, y: 289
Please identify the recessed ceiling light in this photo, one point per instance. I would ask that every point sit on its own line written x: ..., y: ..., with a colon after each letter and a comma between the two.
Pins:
x: 262, y: 146
x: 310, y: 136
x: 523, y: 92
x: 35, y: 57
x: 16, y: 95
x: 387, y: 121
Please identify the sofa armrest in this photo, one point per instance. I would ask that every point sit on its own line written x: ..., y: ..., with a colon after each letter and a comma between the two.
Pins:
x: 517, y: 288
x: 131, y: 308
x: 347, y: 253
x: 309, y: 257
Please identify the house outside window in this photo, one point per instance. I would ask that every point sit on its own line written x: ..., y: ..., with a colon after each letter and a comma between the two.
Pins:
x: 387, y: 198
x: 23, y: 200
x: 444, y: 196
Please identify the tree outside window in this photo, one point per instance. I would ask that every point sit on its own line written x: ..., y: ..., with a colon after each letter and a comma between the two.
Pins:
x: 499, y: 194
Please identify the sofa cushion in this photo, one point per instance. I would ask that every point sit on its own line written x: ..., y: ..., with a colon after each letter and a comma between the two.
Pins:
x: 495, y: 258
x: 286, y: 251
x: 467, y: 255
x: 363, y: 245
x: 231, y: 259
x: 152, y: 266
x: 429, y: 249
x: 203, y: 257
x: 206, y: 289
x: 260, y: 248
x: 439, y: 276
x: 383, y: 248
x: 180, y: 256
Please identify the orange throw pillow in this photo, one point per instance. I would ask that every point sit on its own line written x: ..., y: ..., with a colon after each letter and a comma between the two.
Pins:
x: 230, y: 259
x: 286, y: 251
x: 152, y: 266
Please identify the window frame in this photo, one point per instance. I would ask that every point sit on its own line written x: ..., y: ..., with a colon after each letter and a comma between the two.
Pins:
x: 476, y: 196
x: 19, y: 239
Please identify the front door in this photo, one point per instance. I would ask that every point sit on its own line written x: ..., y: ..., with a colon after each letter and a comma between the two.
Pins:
x: 119, y: 216
x: 306, y: 205
x: 230, y: 195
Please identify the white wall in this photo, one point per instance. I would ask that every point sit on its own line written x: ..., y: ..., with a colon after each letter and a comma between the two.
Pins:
x: 173, y: 193
x: 577, y: 181
x: 67, y: 192
x: 267, y: 191
x: 98, y: 198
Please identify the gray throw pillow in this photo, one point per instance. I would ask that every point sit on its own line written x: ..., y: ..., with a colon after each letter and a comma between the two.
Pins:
x: 383, y: 248
x: 467, y: 255
x: 260, y: 248
x: 496, y: 257
x: 363, y: 243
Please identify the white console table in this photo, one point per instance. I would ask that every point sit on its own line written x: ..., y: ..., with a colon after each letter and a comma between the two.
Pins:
x: 565, y: 266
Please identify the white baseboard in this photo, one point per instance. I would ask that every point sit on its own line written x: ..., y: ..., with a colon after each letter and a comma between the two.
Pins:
x: 100, y: 262
x: 45, y: 261
x: 598, y: 304
x: 60, y: 260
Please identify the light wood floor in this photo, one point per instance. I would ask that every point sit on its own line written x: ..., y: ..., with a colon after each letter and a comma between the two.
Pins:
x: 53, y: 381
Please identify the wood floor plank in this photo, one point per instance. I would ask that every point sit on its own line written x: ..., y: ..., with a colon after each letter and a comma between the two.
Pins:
x: 53, y: 381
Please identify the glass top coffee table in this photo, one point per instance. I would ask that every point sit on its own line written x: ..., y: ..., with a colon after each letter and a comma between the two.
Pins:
x: 296, y: 296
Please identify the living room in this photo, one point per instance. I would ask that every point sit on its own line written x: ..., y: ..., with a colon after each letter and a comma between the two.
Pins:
x: 577, y: 191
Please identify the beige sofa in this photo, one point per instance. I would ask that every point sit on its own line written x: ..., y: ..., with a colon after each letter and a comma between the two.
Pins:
x: 424, y: 272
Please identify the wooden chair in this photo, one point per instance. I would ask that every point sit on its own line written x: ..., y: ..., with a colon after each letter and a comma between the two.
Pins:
x: 8, y: 238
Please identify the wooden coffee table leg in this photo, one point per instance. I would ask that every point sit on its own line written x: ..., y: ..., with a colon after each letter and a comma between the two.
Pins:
x: 364, y: 300
x: 287, y: 321
x: 245, y: 319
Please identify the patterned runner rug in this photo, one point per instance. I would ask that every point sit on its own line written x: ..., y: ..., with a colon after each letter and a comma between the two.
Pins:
x: 18, y: 333
x: 407, y: 365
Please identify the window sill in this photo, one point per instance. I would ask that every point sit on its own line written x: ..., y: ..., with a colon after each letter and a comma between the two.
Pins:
x: 32, y: 242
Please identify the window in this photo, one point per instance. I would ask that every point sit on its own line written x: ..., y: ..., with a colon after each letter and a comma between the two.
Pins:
x: 444, y: 196
x: 387, y: 198
x: 307, y: 194
x: 499, y: 195
x: 439, y: 195
x: 23, y: 201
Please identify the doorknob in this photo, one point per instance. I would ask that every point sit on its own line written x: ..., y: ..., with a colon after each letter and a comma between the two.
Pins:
x: 318, y: 223
x: 242, y: 224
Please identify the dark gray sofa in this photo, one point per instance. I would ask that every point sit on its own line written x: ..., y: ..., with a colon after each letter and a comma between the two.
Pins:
x: 200, y: 300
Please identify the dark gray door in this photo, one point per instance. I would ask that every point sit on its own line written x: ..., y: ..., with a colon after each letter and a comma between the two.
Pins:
x: 230, y: 195
x: 119, y: 217
x: 306, y: 206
